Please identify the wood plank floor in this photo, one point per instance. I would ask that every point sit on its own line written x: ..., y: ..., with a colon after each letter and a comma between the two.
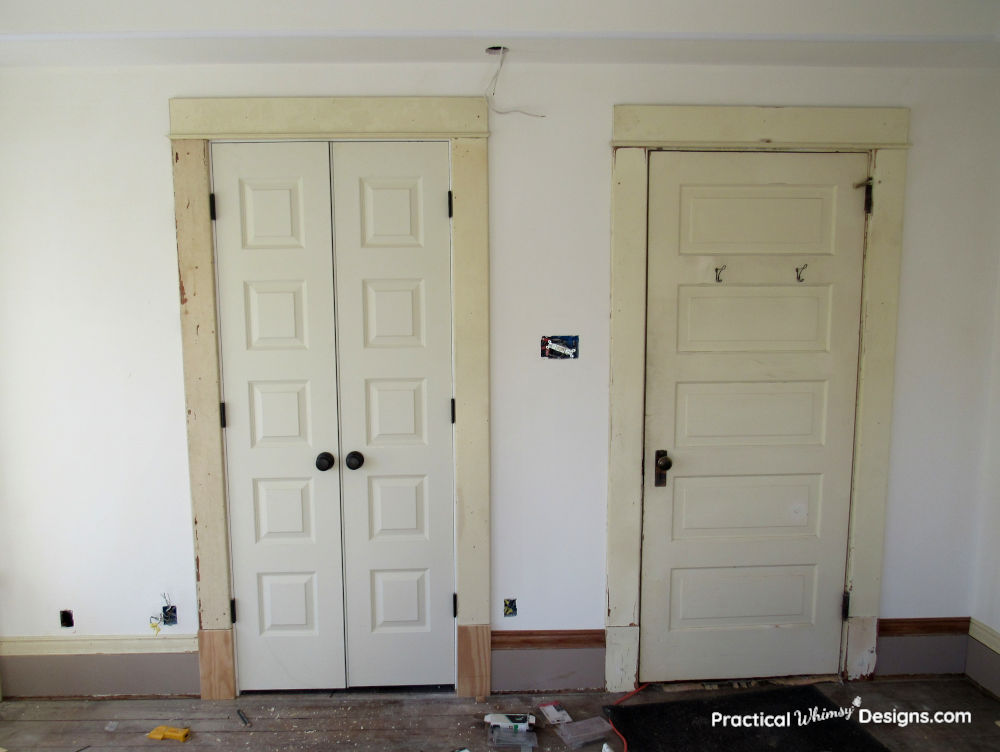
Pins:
x: 429, y: 722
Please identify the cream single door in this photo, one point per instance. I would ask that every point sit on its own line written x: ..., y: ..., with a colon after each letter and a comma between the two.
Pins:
x: 754, y: 294
x: 393, y: 270
x: 299, y: 518
x: 275, y: 270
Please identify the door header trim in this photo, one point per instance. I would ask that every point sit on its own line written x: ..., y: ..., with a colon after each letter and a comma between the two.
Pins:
x: 780, y: 128
x: 382, y: 118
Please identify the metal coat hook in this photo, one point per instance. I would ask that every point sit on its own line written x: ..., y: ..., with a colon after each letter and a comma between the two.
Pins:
x: 798, y: 272
x: 718, y: 272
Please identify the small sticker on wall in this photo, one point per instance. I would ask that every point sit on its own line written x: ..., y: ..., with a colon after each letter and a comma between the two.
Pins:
x: 561, y: 347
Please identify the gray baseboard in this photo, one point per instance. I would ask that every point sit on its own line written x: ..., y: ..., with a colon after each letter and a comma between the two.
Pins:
x: 541, y: 669
x: 982, y: 665
x: 100, y: 674
x: 921, y: 654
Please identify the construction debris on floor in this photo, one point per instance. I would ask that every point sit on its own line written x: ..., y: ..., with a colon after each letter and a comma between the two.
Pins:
x: 396, y: 721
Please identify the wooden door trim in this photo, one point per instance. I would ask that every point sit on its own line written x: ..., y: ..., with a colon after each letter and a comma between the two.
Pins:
x: 883, y: 134
x: 463, y: 122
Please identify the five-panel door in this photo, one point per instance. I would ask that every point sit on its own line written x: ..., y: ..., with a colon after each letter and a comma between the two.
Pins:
x: 754, y: 299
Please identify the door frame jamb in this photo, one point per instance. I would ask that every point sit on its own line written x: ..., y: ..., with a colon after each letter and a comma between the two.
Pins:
x: 881, y: 132
x: 463, y: 121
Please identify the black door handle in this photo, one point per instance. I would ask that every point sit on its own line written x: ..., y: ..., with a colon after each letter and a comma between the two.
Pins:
x: 354, y: 460
x: 662, y: 463
x: 324, y: 461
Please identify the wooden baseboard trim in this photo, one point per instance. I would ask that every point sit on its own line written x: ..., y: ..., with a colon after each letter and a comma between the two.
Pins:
x: 474, y: 660
x: 547, y: 639
x: 916, y: 627
x: 986, y: 635
x: 217, y: 664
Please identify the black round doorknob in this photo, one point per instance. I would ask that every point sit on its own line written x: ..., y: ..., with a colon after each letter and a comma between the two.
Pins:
x: 664, y: 463
x: 354, y: 460
x: 324, y: 461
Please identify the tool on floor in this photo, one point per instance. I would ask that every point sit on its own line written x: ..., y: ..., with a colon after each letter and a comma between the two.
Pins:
x: 513, y: 721
x: 170, y: 732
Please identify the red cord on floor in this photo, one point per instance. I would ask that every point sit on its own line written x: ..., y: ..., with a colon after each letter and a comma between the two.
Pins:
x: 619, y: 701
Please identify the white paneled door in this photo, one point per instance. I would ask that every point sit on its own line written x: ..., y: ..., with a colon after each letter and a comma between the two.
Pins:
x: 334, y: 268
x: 754, y: 296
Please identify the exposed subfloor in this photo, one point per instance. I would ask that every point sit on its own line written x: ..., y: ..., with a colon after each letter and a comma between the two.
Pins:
x: 437, y: 722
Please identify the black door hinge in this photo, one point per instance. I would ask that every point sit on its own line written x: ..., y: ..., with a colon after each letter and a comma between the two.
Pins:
x: 451, y: 204
x: 211, y: 206
x: 222, y: 414
x: 452, y: 409
x: 454, y: 605
x: 867, y: 185
x: 232, y: 610
x: 845, y: 606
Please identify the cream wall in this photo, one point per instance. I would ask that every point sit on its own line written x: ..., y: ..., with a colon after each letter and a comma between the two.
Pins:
x: 94, y: 504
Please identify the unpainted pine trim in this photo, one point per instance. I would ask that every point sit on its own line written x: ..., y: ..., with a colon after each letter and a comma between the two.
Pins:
x: 196, y: 270
x: 217, y: 664
x: 985, y: 634
x: 884, y: 133
x: 98, y: 645
x: 928, y: 626
x: 627, y: 384
x: 471, y: 291
x: 784, y: 128
x: 474, y: 660
x: 547, y: 639
x: 328, y: 117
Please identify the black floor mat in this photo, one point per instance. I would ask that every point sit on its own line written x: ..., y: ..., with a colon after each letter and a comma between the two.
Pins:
x: 687, y: 724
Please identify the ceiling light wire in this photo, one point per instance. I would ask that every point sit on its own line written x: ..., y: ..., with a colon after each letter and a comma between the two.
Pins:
x: 491, y: 88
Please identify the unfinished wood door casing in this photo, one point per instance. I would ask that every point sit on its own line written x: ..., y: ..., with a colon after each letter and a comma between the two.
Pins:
x: 883, y: 134
x: 462, y: 121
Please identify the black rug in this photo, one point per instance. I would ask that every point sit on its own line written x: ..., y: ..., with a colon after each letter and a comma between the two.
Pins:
x: 811, y: 723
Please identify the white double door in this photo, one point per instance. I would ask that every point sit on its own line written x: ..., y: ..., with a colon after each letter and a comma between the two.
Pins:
x: 754, y: 299
x: 334, y: 269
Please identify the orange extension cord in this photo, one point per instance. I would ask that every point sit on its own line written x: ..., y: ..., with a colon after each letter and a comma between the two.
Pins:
x: 619, y: 701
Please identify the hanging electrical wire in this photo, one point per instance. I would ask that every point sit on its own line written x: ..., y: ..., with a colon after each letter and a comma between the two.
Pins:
x: 491, y: 87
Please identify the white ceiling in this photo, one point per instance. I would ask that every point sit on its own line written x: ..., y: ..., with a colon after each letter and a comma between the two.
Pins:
x: 781, y: 32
